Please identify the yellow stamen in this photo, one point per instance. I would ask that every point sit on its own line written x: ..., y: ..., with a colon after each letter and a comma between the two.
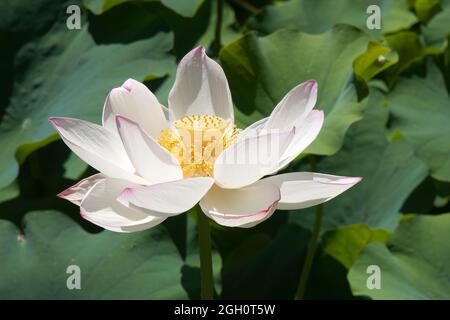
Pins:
x: 196, y: 141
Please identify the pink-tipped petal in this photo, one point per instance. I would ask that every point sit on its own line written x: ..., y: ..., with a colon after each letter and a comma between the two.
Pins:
x: 169, y: 198
x: 200, y: 88
x: 136, y: 102
x: 100, y: 207
x: 76, y: 193
x: 305, y: 189
x: 245, y: 207
x: 294, y: 107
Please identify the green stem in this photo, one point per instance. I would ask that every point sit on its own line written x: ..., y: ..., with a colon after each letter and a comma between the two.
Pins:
x: 206, y: 271
x: 312, y: 246
x: 217, y: 45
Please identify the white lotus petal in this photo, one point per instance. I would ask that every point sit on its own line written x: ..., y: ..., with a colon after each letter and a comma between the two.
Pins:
x: 200, y: 88
x: 169, y: 198
x: 294, y: 107
x: 76, y: 193
x: 248, y: 160
x: 253, y: 130
x: 135, y: 101
x: 305, y: 189
x: 245, y: 207
x: 151, y: 160
x: 306, y: 131
x: 97, y: 146
x: 100, y: 207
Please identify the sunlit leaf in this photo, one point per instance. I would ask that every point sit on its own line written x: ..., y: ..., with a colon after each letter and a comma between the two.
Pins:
x: 316, y: 16
x: 414, y: 264
x: 345, y: 244
x: 377, y: 58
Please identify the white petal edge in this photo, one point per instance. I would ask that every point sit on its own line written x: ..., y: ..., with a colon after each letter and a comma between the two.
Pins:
x: 135, y: 101
x: 99, y: 147
x: 100, y: 207
x: 248, y: 160
x: 245, y: 207
x: 169, y: 198
x: 294, y: 107
x: 77, y: 192
x: 200, y: 88
x: 154, y: 163
x: 306, y: 189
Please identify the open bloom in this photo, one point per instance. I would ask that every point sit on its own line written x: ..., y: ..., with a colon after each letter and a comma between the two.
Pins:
x: 155, y: 162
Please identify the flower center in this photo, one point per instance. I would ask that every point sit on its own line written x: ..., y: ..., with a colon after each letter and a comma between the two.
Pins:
x: 196, y: 141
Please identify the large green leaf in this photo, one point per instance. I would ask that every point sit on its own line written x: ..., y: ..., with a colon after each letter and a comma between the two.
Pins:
x: 316, y: 16
x: 390, y: 173
x: 438, y: 28
x: 65, y: 73
x: 19, y: 23
x: 186, y: 8
x: 262, y: 70
x: 9, y: 192
x: 421, y: 113
x: 143, y: 265
x: 345, y: 244
x: 415, y: 264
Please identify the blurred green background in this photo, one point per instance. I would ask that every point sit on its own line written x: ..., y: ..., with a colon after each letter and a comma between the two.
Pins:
x: 385, y: 93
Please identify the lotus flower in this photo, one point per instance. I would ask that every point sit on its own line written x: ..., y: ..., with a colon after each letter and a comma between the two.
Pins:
x: 150, y: 169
